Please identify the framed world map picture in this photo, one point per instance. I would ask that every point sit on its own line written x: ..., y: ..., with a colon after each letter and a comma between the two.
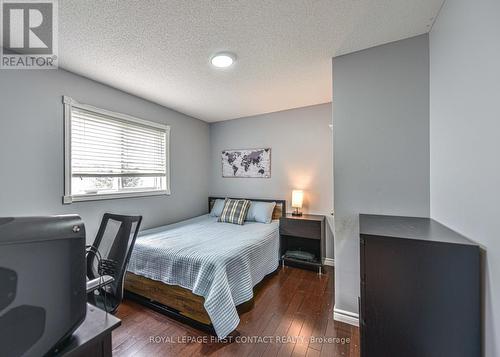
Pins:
x: 255, y: 163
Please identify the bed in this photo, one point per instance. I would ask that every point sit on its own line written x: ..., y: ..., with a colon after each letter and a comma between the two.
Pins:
x: 203, y: 271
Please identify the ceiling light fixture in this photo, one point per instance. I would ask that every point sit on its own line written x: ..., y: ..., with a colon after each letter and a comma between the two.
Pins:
x: 223, y: 60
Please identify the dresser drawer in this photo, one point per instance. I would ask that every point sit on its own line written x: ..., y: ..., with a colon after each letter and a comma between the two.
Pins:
x: 300, y: 228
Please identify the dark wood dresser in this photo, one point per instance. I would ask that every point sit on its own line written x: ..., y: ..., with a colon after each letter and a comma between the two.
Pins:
x: 303, y: 233
x: 420, y: 289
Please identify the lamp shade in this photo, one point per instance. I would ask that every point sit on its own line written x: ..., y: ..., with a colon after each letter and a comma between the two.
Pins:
x: 297, y: 198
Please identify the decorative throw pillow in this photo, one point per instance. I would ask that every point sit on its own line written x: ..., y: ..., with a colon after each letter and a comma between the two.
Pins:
x: 261, y: 211
x: 234, y: 211
x: 217, y: 207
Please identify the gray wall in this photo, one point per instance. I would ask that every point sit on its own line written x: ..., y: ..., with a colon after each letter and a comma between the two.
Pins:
x: 301, y: 143
x: 381, y: 146
x: 31, y: 150
x: 465, y: 140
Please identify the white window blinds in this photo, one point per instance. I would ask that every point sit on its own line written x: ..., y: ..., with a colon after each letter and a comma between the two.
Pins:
x: 112, y: 155
x: 104, y: 146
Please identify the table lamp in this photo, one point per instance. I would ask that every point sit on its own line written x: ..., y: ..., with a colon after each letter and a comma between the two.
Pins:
x: 297, y: 198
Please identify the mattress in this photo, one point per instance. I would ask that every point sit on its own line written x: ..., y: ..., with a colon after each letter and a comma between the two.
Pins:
x: 220, y: 261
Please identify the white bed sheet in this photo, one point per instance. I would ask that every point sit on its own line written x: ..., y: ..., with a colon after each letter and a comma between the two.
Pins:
x: 220, y: 261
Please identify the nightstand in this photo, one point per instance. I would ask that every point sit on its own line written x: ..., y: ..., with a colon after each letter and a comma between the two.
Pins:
x: 304, y: 233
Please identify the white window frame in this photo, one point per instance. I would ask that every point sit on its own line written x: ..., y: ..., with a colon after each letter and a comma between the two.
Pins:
x: 68, y: 198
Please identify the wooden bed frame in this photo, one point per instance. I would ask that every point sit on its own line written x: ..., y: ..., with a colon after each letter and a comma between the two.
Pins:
x: 178, y: 302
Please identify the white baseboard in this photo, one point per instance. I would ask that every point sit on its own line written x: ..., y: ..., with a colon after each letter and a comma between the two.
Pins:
x: 329, y: 262
x: 347, y: 317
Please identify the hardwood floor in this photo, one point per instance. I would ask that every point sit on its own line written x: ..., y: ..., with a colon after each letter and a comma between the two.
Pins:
x: 292, y: 316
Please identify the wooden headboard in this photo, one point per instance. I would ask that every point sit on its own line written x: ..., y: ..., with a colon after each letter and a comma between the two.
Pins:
x: 279, y: 209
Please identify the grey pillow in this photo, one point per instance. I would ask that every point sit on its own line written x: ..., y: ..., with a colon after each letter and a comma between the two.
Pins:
x: 217, y: 208
x: 235, y: 211
x: 261, y: 211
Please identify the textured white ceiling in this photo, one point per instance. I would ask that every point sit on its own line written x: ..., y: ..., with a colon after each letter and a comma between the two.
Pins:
x: 160, y: 50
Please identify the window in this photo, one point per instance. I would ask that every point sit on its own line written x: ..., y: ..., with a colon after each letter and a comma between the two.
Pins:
x: 111, y: 155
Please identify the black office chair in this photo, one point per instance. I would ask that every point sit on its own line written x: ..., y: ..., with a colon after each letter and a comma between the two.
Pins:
x: 108, y: 257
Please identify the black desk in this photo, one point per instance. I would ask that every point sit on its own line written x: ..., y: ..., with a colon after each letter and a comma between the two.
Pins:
x: 93, y: 337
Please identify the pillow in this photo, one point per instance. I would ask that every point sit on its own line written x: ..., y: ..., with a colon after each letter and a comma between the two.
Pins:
x: 217, y: 208
x: 235, y: 211
x: 261, y: 211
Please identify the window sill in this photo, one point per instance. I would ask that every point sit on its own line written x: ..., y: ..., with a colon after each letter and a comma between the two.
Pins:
x: 112, y: 196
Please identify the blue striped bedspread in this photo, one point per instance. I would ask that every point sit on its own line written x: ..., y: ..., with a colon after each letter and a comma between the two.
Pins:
x: 220, y: 261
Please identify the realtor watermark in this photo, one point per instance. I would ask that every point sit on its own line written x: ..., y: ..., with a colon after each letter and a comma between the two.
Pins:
x: 29, y: 30
x: 269, y: 339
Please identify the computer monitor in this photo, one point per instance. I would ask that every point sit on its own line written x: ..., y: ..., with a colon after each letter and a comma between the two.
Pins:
x: 42, y: 282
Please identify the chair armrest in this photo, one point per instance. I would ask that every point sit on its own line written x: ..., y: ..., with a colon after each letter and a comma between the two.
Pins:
x: 99, y: 282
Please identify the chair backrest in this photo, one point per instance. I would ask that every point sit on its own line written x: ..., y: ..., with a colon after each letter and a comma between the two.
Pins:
x: 111, y: 252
